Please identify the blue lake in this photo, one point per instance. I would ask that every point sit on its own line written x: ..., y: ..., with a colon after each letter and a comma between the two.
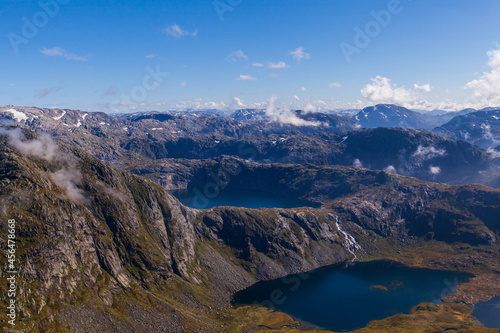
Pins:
x: 488, y: 313
x: 247, y: 199
x: 346, y: 297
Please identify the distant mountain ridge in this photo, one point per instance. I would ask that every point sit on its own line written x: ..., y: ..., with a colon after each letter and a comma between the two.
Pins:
x: 155, y: 136
x: 389, y: 115
x: 481, y: 128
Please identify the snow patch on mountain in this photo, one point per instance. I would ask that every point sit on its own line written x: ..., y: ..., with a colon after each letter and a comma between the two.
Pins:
x: 18, y: 115
x: 59, y: 117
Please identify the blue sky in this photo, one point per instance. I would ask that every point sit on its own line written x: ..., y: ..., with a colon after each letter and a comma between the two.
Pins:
x: 159, y: 55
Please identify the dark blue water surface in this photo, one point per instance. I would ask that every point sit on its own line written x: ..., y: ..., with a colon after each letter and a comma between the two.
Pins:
x: 247, y: 199
x: 343, y: 298
x: 488, y: 313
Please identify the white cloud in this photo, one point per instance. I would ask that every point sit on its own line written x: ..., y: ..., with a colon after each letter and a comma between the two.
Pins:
x: 303, y: 89
x: 59, y: 52
x: 198, y: 104
x: 381, y: 90
x: 493, y: 153
x: 151, y: 56
x: 357, y: 163
x: 277, y: 65
x: 184, y: 84
x: 237, y: 103
x: 488, y: 135
x: 296, y: 97
x: 177, y: 32
x: 257, y: 64
x: 390, y: 168
x: 284, y: 115
x: 427, y: 153
x: 246, y: 78
x: 335, y: 85
x: 68, y: 181
x: 44, y: 147
x: 237, y: 55
x: 425, y: 87
x: 310, y: 108
x: 487, y: 88
x: 299, y: 54
x: 435, y: 170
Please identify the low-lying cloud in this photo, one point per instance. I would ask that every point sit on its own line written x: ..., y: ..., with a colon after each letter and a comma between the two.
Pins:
x: 45, y: 148
x: 493, y: 153
x: 67, y: 180
x: 488, y: 135
x: 427, y: 153
x: 357, y: 163
x: 390, y: 168
x: 284, y: 115
x: 435, y: 170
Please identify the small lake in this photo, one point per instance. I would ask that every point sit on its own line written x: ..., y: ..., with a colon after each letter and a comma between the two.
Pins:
x: 246, y: 199
x: 488, y: 313
x: 346, y: 297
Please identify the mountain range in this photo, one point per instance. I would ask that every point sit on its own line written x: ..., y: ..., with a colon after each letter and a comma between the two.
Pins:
x: 104, y: 246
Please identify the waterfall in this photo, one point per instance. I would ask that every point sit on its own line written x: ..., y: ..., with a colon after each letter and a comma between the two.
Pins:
x: 349, y: 242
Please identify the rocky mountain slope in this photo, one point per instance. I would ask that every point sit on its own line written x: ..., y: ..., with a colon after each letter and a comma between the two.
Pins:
x: 389, y: 115
x: 412, y: 153
x: 97, y: 242
x: 481, y: 128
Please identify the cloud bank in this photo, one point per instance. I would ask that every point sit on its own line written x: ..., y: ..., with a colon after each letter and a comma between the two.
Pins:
x: 486, y: 89
x: 284, y: 115
x: 382, y: 90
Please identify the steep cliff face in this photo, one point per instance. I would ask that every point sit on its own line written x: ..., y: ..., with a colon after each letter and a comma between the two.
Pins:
x: 97, y: 242
x: 90, y: 236
x: 87, y: 228
x: 379, y: 201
